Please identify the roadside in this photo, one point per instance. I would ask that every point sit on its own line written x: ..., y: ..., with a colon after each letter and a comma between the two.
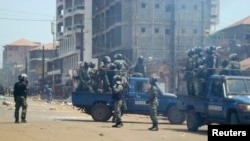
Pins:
x: 60, y: 121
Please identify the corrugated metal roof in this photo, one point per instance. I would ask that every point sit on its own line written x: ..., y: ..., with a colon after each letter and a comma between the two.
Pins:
x: 23, y: 42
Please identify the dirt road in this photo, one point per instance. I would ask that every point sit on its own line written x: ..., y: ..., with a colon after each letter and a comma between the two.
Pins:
x: 61, y: 122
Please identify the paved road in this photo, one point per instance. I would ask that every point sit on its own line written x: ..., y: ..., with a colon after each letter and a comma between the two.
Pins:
x: 58, y: 121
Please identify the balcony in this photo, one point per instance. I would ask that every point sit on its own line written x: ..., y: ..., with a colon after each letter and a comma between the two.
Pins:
x: 59, y: 2
x: 59, y: 35
x: 68, y: 30
x: 68, y: 12
x: 77, y: 27
x: 79, y: 9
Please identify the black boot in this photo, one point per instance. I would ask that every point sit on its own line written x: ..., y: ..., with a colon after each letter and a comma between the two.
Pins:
x: 118, y: 124
x: 154, y: 127
x: 16, y: 118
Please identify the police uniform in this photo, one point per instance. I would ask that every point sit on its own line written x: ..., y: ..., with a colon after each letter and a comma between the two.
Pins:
x: 117, y: 90
x: 20, y: 96
x: 153, y: 104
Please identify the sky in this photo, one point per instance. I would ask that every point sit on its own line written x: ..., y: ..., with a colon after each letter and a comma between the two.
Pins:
x: 31, y: 19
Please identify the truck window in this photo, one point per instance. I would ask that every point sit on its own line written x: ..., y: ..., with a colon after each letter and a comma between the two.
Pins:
x: 141, y: 86
x: 235, y: 86
x: 217, y: 89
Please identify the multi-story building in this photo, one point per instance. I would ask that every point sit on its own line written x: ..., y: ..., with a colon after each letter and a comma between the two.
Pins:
x: 15, y: 60
x: 74, y: 34
x: 38, y: 64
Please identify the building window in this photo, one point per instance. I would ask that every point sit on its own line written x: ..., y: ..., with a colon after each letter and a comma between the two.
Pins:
x: 195, y: 7
x: 195, y: 31
x: 143, y: 5
x: 168, y: 8
x: 143, y: 29
x: 183, y: 6
x: 157, y: 5
x: 167, y: 31
x: 183, y: 31
x: 157, y: 30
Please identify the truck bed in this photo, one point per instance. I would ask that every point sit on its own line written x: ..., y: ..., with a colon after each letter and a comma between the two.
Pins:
x: 184, y: 102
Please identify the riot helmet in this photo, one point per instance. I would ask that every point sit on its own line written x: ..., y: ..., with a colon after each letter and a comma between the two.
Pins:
x: 153, y: 80
x: 106, y: 59
x: 140, y: 59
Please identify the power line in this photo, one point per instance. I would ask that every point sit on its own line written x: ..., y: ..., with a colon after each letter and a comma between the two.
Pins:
x: 16, y: 19
x: 25, y: 12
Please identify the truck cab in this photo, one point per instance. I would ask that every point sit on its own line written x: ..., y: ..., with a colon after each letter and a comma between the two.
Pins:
x: 229, y: 99
x: 226, y: 101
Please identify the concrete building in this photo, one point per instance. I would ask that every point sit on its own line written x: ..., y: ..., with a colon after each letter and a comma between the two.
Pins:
x: 74, y: 34
x: 15, y: 60
x: 37, y: 67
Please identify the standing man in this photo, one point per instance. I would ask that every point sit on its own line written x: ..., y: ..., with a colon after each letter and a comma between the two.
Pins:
x: 49, y: 92
x: 20, y: 96
x: 153, y: 103
x: 117, y: 90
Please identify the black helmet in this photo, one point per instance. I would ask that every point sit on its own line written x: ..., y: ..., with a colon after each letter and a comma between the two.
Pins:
x: 117, y: 79
x: 234, y: 56
x: 106, y: 59
x: 91, y: 64
x: 112, y: 66
x: 86, y: 65
x: 153, y: 80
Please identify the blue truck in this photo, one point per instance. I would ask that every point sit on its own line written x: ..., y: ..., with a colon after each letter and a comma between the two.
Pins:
x: 226, y: 101
x: 100, y: 105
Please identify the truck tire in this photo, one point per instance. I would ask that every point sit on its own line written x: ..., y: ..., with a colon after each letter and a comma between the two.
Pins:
x: 233, y: 119
x: 176, y: 116
x: 193, y: 120
x: 100, y: 112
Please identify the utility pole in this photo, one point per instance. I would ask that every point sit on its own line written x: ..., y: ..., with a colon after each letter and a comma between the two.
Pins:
x: 43, y: 81
x: 81, y: 48
x: 172, y: 48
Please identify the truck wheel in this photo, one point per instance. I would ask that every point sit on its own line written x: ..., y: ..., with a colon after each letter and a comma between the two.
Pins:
x: 193, y: 120
x: 234, y: 119
x: 100, y: 112
x: 176, y: 116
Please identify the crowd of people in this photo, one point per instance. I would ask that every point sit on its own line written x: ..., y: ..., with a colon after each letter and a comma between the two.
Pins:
x: 204, y: 62
x: 101, y: 79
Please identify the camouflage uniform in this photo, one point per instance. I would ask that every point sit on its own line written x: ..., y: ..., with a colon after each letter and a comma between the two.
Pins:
x: 117, y: 90
x: 201, y: 76
x: 92, y: 72
x: 85, y: 79
x: 103, y: 68
x: 139, y: 68
x: 153, y: 104
x: 189, y: 74
x: 234, y: 65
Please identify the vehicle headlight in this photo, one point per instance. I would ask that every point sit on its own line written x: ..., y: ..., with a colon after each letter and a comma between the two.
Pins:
x: 244, y: 107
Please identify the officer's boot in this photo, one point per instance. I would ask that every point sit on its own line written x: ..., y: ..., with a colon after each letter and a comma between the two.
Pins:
x: 16, y: 118
x: 155, y: 127
x: 23, y: 118
x: 151, y: 127
x: 118, y: 124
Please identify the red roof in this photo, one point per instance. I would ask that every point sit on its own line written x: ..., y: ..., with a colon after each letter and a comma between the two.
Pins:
x: 241, y: 22
x: 23, y: 42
